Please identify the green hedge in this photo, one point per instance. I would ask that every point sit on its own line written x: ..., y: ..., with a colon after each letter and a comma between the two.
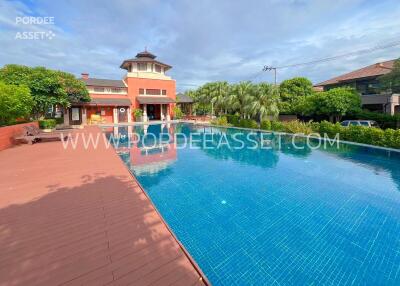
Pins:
x: 247, y: 123
x: 235, y: 120
x: 47, y: 123
x: 360, y: 134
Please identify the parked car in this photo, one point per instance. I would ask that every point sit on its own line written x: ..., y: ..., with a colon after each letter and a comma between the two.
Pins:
x: 366, y: 123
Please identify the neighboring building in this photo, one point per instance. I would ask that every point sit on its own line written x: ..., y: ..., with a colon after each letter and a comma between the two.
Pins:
x: 365, y: 81
x: 185, y: 103
x: 145, y: 86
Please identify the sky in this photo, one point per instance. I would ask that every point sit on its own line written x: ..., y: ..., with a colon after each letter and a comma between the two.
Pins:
x: 204, y: 41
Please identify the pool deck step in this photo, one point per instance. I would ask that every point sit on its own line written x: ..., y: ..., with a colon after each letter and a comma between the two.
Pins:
x: 78, y: 217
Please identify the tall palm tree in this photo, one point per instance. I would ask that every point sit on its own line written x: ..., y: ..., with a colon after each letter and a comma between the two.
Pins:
x: 265, y: 101
x: 219, y: 96
x: 241, y: 97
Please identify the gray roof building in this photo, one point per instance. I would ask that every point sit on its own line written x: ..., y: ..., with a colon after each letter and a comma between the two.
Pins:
x: 103, y: 82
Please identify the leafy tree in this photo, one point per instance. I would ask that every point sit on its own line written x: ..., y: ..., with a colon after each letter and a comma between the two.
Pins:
x: 341, y: 101
x: 76, y: 89
x: 293, y: 90
x: 334, y: 103
x: 391, y: 81
x: 15, y: 103
x: 265, y: 101
x: 48, y: 87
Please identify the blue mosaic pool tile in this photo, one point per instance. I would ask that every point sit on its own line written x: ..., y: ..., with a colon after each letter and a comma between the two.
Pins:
x: 281, y: 217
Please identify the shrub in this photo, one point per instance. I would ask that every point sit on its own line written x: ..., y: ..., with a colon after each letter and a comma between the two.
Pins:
x: 297, y: 127
x: 247, y: 123
x: 266, y: 125
x: 221, y: 121
x: 15, y: 103
x: 233, y: 119
x: 277, y: 126
x: 47, y: 123
x: 328, y: 128
x: 178, y: 114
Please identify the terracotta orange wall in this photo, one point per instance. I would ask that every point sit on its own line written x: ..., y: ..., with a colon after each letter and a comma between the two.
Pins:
x: 8, y: 133
x: 134, y: 84
x: 109, y: 112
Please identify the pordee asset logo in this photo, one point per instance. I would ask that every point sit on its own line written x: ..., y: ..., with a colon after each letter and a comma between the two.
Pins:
x: 33, y: 23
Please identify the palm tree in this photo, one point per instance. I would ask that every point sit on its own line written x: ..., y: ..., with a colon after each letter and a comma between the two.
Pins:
x: 265, y: 101
x: 219, y: 94
x: 240, y: 97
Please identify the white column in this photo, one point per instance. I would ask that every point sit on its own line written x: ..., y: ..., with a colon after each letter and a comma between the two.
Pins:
x: 115, y: 115
x: 144, y: 112
x: 66, y: 116
x: 129, y: 114
x: 168, y: 116
x: 162, y: 112
x: 84, y: 116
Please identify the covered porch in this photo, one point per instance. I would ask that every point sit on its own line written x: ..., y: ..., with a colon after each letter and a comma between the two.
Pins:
x: 99, y: 110
x: 185, y: 103
x: 155, y: 108
x: 386, y: 103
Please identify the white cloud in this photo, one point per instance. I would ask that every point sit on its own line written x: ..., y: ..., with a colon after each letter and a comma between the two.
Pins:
x: 203, y: 40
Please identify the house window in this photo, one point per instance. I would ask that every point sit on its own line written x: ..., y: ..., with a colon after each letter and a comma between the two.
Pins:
x: 116, y: 90
x: 164, y: 92
x: 142, y: 66
x: 153, y: 91
x: 157, y: 68
x: 141, y: 91
x: 99, y: 89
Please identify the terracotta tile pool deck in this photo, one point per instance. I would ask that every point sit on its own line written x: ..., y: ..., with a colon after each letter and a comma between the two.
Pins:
x: 78, y: 217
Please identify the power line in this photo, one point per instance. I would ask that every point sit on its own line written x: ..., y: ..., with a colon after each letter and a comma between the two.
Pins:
x: 359, y: 52
x: 274, y: 68
x: 369, y: 50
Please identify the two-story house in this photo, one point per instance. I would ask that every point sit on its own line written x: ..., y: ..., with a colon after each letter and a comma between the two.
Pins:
x: 366, y: 82
x: 146, y: 86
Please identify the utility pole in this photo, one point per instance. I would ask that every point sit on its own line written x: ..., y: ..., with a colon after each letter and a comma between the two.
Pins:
x: 269, y: 68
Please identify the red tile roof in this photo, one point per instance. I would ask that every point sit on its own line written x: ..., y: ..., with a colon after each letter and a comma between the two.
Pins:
x: 376, y: 69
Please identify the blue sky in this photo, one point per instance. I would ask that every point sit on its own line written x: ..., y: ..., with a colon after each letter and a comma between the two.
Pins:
x: 203, y: 40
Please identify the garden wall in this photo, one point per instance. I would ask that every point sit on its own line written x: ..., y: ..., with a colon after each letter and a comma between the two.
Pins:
x: 7, y: 134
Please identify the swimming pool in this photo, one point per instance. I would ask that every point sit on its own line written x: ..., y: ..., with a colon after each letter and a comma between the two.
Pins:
x: 274, y: 216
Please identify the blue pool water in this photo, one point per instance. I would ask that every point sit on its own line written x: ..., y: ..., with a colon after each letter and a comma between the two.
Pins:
x: 275, y: 216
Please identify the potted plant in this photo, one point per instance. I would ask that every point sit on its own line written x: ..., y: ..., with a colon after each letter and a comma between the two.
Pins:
x: 137, y: 114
